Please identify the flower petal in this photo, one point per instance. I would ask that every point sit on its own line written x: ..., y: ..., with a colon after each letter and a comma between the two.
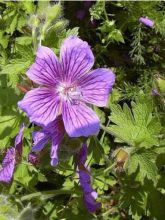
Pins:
x: 83, y: 154
x: 91, y: 203
x: 90, y: 195
x: 85, y: 181
x: 96, y: 86
x: 54, y: 154
x: 76, y: 58
x: 18, y: 140
x: 46, y: 70
x: 8, y: 165
x: 146, y: 21
x: 40, y: 138
x: 41, y: 105
x: 79, y: 120
x: 53, y: 132
x: 57, y: 132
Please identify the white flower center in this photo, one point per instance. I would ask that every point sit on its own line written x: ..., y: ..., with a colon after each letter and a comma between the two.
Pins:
x: 69, y: 92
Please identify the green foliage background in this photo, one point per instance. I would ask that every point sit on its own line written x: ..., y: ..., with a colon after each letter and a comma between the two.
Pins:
x: 127, y: 158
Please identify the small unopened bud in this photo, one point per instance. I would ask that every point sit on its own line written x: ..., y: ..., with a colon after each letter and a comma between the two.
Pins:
x: 146, y: 21
x: 121, y: 155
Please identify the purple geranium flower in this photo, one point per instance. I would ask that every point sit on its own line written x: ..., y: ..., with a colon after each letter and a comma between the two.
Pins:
x: 53, y: 132
x: 146, y: 21
x: 8, y: 163
x: 66, y: 85
x: 90, y: 195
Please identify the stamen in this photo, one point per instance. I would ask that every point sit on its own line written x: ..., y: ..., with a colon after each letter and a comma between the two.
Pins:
x: 70, y: 92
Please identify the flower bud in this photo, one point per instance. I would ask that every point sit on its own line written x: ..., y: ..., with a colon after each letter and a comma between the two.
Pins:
x: 146, y: 21
x: 121, y: 155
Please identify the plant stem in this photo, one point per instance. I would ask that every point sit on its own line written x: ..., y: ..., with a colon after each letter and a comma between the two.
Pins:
x: 109, y: 168
x: 102, y: 137
x: 105, y: 13
x: 46, y: 193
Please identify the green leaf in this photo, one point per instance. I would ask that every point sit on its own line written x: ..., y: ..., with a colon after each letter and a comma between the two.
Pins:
x: 26, y: 40
x: 53, y: 12
x: 7, y: 209
x: 161, y: 84
x: 22, y: 20
x: 26, y: 214
x: 137, y: 126
x: 4, y: 39
x: 58, y: 26
x: 114, y: 97
x: 2, y: 217
x: 15, y: 67
x: 101, y: 114
x: 101, y: 181
x: 28, y: 6
x: 13, y: 24
x: 22, y: 175
x: 13, y: 70
x: 9, y: 97
x: 143, y: 161
x: 9, y: 126
x: 133, y: 199
x: 155, y: 202
x: 74, y: 31
x: 53, y: 20
x: 116, y: 35
x: 19, y: 64
x: 96, y: 149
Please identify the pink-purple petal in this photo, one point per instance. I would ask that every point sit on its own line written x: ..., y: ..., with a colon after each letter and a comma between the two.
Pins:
x: 90, y: 195
x: 96, y: 86
x: 54, y: 153
x: 85, y: 181
x: 57, y: 132
x: 83, y: 154
x: 79, y: 120
x: 146, y: 21
x: 8, y: 165
x: 46, y: 70
x: 76, y: 58
x: 41, y: 105
x: 18, y: 139
x: 53, y: 132
x: 40, y: 138
x: 91, y: 203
